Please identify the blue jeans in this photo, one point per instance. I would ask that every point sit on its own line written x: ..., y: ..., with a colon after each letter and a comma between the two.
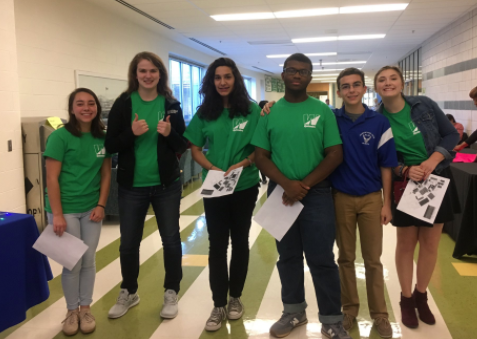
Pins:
x: 133, y: 205
x: 78, y: 284
x: 314, y: 234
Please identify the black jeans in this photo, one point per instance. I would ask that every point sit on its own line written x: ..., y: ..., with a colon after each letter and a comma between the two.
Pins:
x: 229, y: 215
x: 133, y: 205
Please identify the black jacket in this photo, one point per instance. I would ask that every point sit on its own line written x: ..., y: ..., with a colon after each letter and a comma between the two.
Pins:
x: 120, y: 139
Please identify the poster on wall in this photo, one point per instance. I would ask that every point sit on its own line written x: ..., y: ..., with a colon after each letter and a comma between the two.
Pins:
x: 268, y: 84
x: 274, y: 85
x: 107, y: 88
x: 281, y: 86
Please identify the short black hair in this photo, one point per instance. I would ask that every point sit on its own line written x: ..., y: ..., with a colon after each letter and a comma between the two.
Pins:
x: 450, y: 117
x: 300, y: 57
x: 349, y: 71
x: 262, y: 103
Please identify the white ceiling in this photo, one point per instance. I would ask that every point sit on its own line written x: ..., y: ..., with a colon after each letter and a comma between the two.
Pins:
x: 405, y: 30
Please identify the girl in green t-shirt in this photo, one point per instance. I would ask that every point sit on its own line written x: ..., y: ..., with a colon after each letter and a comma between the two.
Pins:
x: 78, y: 179
x: 227, y: 119
x: 424, y: 140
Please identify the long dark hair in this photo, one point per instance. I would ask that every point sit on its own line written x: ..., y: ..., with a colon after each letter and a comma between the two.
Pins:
x: 213, y: 104
x: 97, y: 125
x: 162, y: 85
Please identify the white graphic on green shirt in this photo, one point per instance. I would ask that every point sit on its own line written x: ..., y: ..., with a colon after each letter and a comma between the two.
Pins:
x: 310, y: 120
x: 239, y: 124
x: 413, y: 128
x: 160, y: 115
x: 100, y: 151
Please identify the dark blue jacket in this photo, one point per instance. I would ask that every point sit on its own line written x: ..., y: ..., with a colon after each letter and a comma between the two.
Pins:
x: 437, y: 131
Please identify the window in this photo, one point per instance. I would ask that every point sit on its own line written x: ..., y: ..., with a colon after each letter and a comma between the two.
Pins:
x: 250, y: 86
x: 185, y: 82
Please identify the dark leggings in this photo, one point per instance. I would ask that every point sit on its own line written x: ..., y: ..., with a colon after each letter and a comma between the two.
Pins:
x: 226, y: 216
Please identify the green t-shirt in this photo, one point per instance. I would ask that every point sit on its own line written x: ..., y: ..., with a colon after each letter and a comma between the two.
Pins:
x: 80, y: 177
x: 229, y: 142
x: 297, y: 135
x: 146, y: 170
x: 407, y: 137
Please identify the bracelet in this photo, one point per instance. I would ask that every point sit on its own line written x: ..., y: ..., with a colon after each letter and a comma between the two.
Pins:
x: 98, y: 205
x: 250, y: 161
x: 211, y: 167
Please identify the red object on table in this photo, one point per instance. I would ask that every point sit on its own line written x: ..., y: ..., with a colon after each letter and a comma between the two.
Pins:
x: 464, y: 157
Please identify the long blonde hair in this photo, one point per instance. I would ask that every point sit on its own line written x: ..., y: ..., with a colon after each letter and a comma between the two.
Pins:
x: 162, y: 85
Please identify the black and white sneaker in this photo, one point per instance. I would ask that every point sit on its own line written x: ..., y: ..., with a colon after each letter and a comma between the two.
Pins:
x: 287, y: 323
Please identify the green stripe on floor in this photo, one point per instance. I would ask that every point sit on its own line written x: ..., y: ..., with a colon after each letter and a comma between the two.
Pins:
x: 196, y: 209
x: 151, y: 279
x: 104, y: 257
x: 263, y: 257
x: 455, y: 295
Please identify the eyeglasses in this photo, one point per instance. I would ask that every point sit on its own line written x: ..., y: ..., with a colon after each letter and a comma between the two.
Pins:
x: 293, y: 71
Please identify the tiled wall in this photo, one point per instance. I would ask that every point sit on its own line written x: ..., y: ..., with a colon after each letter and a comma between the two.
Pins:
x: 12, y: 193
x: 449, y: 68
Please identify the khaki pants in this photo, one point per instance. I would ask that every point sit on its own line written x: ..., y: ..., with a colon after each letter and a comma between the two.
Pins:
x: 366, y: 212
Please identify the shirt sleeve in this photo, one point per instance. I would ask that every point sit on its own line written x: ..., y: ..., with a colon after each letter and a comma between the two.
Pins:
x: 472, y: 138
x: 194, y: 132
x: 261, y: 137
x: 55, y: 146
x: 331, y: 133
x: 387, y: 155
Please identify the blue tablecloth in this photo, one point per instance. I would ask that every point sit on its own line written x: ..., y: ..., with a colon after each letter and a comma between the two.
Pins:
x: 25, y: 272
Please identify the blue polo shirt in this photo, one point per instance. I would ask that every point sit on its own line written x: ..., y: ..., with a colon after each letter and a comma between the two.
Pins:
x: 368, y: 145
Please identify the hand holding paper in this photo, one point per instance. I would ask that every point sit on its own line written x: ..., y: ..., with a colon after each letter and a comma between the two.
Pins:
x: 66, y: 250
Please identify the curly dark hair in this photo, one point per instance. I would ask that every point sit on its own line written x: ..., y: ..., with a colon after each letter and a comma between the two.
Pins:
x: 212, y: 104
x: 97, y: 125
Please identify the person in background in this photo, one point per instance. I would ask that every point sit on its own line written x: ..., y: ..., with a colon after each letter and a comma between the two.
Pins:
x: 78, y: 177
x: 473, y: 137
x: 298, y: 146
x: 145, y: 128
x: 261, y: 105
x: 328, y: 103
x: 369, y: 156
x: 424, y: 140
x: 459, y: 127
x: 227, y: 118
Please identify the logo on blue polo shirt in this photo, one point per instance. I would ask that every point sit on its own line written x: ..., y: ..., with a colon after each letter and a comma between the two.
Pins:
x: 367, y: 136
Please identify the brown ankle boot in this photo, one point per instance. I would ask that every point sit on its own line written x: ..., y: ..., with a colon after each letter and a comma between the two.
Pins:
x: 408, y: 312
x: 425, y: 313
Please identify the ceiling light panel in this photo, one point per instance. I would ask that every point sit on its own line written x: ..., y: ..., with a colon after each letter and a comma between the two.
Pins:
x: 335, y: 63
x: 307, y: 54
x: 243, y: 16
x: 330, y: 70
x: 340, y: 38
x: 372, y: 8
x: 307, y: 12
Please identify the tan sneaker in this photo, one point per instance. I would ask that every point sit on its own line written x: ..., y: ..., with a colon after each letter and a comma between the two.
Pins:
x: 71, y: 323
x: 383, y: 327
x: 348, y: 321
x: 87, y: 321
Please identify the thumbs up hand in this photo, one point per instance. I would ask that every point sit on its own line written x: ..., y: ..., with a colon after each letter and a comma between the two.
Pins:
x: 164, y: 127
x: 139, y: 127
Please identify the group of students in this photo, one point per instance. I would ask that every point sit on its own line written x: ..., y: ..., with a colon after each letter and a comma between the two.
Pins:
x: 339, y: 164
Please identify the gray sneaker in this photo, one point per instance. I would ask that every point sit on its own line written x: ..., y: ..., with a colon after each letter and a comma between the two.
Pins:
x: 235, y: 309
x: 334, y: 331
x: 124, y: 302
x: 215, y: 320
x: 287, y: 323
x: 170, y: 307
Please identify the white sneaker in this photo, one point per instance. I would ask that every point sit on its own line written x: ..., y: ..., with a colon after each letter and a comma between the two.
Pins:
x: 215, y: 320
x: 124, y: 302
x: 170, y: 307
x: 235, y: 308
